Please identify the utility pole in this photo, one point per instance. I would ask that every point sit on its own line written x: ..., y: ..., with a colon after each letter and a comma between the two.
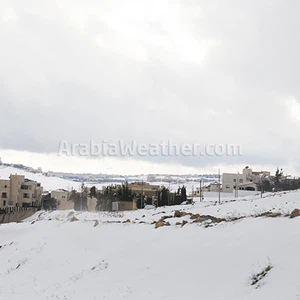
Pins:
x: 142, y: 196
x: 169, y: 193
x: 81, y: 195
x: 219, y: 187
x: 235, y: 189
x: 261, y: 186
x: 192, y: 193
x: 200, y: 192
x: 132, y: 202
x: 236, y: 192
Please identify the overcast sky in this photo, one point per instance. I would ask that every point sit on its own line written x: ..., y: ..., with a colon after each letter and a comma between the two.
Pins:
x: 206, y: 72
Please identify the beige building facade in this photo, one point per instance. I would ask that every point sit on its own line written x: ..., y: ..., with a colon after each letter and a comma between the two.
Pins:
x: 65, y: 203
x: 63, y: 199
x: 148, y: 190
x: 18, y: 191
x: 91, y: 203
x: 247, y: 180
x: 124, y: 205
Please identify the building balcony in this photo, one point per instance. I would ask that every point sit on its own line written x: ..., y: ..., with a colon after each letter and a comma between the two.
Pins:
x: 27, y: 200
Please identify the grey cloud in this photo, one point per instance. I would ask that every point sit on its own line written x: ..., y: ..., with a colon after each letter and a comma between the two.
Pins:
x: 62, y: 80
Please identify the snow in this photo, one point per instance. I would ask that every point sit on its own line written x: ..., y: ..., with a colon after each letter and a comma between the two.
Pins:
x: 49, y: 257
x: 48, y: 183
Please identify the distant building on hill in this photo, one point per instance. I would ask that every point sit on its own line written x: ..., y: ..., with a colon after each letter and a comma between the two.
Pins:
x: 151, y: 178
x: 212, y: 187
x: 247, y: 180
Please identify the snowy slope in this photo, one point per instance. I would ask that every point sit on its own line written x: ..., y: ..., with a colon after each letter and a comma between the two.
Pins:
x: 54, y: 258
x: 48, y: 183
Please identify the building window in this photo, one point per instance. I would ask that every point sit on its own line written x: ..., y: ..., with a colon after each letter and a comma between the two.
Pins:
x: 4, y: 195
x: 24, y: 187
x: 5, y: 186
x: 4, y: 202
x: 25, y: 195
x: 227, y: 186
x: 241, y: 180
x: 234, y: 180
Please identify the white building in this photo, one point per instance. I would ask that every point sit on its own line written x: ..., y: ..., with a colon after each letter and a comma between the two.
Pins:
x: 247, y: 180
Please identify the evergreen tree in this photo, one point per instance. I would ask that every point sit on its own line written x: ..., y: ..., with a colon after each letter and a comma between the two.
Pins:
x: 140, y: 200
x: 93, y: 192
x: 183, y: 194
x: 266, y: 185
x: 278, y: 176
x: 80, y: 198
x: 48, y: 202
x: 163, y: 197
x: 124, y: 192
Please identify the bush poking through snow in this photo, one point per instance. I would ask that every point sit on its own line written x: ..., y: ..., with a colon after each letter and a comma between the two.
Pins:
x: 183, y: 223
x: 204, y: 218
x: 258, y: 277
x: 270, y: 214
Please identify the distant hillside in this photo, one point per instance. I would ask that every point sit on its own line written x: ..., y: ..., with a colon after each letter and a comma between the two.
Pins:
x: 49, y: 183
x: 55, y: 180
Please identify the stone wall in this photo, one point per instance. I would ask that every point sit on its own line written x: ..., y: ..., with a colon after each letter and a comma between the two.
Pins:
x: 16, y: 214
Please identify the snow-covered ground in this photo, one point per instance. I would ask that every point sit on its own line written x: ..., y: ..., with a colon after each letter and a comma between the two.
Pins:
x: 81, y: 255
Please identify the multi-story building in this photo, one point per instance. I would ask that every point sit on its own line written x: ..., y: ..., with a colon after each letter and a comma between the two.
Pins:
x: 247, y: 180
x: 18, y: 191
x: 147, y: 189
x: 5, y: 193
